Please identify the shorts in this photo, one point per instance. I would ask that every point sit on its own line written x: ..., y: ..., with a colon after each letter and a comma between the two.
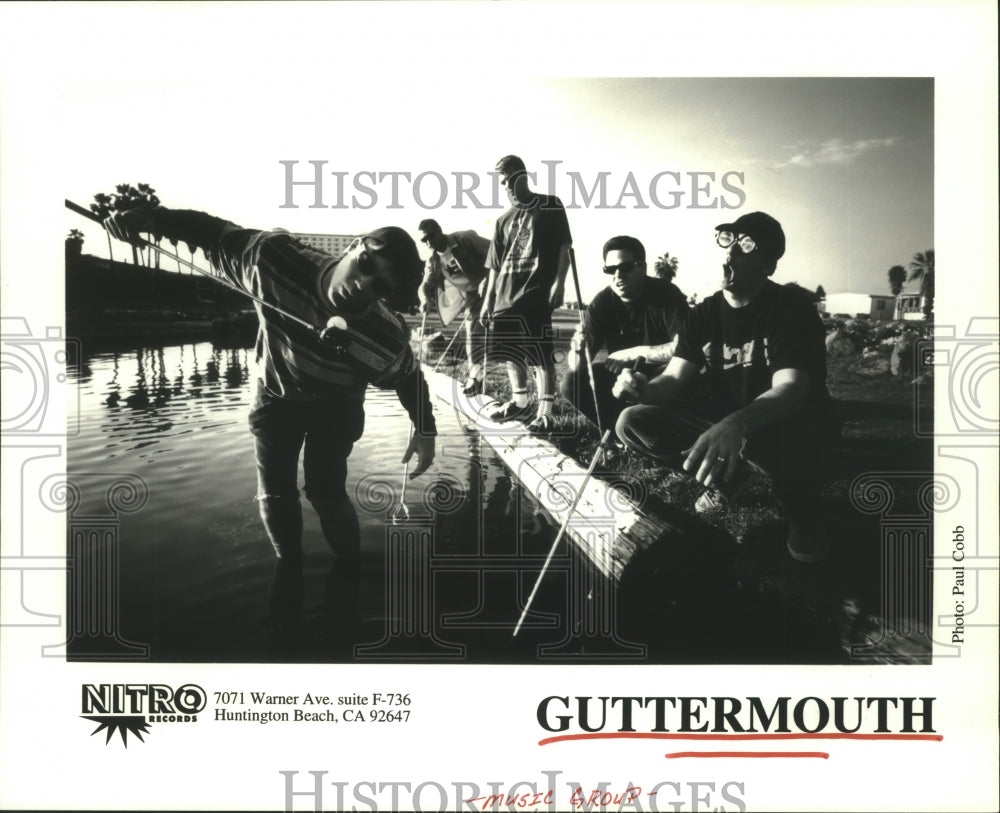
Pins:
x: 522, y: 337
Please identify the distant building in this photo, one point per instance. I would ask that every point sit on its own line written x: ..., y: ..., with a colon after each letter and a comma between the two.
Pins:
x: 880, y: 307
x: 909, y: 307
x: 335, y: 244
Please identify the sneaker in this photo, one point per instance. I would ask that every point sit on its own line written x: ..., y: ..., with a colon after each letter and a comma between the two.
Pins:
x: 508, y: 411
x: 542, y: 425
x: 473, y: 386
x: 808, y: 545
x: 713, y: 499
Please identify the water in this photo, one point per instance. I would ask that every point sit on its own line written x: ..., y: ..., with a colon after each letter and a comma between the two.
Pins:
x: 195, y: 567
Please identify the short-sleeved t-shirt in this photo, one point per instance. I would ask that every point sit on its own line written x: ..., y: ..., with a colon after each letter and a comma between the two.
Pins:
x: 525, y: 254
x: 741, y: 348
x: 654, y: 318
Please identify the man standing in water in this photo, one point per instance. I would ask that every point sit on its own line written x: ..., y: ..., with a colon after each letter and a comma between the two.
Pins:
x: 310, y: 391
x: 761, y: 347
x: 528, y: 261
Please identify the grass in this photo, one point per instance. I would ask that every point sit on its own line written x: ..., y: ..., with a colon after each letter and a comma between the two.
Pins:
x: 848, y: 594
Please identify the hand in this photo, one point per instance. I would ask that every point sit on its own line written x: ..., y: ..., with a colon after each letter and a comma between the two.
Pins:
x: 425, y: 306
x: 130, y: 225
x: 630, y: 386
x: 717, y: 452
x: 423, y: 445
x: 576, y: 343
x: 620, y: 359
x: 335, y: 334
x: 485, y: 316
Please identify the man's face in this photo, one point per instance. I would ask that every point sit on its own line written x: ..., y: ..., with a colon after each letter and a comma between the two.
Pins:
x: 629, y: 275
x: 361, y: 278
x: 742, y: 272
x: 434, y: 240
x: 515, y: 183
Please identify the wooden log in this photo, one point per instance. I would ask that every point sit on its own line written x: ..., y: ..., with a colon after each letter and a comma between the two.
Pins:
x: 607, y: 527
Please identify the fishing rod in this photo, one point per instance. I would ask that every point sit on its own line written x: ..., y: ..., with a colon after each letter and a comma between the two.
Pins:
x: 576, y: 501
x: 585, y: 346
x: 448, y: 348
x: 149, y: 244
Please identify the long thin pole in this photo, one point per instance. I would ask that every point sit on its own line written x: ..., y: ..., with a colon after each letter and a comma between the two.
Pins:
x: 586, y: 347
x: 91, y: 216
x: 576, y: 501
x: 562, y: 530
x: 445, y: 353
x: 420, y: 356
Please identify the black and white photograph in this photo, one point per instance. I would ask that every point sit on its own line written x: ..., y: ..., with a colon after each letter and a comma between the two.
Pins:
x: 568, y: 378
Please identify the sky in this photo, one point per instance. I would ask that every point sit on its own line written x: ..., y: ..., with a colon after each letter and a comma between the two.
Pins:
x: 845, y: 164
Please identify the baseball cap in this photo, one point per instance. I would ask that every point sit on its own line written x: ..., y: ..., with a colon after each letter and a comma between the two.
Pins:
x: 401, y: 251
x: 764, y: 229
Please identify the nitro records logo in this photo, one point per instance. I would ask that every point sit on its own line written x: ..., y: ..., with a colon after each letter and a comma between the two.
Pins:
x: 131, y: 707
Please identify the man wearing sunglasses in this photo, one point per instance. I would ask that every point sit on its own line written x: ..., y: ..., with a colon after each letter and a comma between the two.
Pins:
x: 528, y: 261
x: 636, y: 315
x: 762, y: 398
x: 453, y: 275
x: 310, y: 392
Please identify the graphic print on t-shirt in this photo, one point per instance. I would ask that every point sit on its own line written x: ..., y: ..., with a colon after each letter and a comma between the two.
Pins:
x: 731, y: 357
x: 520, y: 259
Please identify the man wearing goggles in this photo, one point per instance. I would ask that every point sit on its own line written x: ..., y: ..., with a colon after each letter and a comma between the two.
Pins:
x: 310, y: 392
x: 635, y: 315
x: 762, y: 351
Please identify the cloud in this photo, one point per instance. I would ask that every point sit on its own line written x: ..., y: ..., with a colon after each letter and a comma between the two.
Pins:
x: 834, y: 151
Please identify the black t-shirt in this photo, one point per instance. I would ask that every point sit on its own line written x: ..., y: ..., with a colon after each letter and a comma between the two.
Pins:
x: 653, y: 319
x: 525, y: 254
x: 741, y: 348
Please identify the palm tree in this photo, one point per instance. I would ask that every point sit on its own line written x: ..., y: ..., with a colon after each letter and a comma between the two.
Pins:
x: 149, y: 198
x: 74, y: 246
x: 125, y: 198
x: 922, y: 268
x: 102, y: 208
x: 666, y: 266
x: 897, y: 276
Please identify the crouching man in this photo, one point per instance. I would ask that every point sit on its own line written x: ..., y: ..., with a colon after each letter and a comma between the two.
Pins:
x: 762, y: 398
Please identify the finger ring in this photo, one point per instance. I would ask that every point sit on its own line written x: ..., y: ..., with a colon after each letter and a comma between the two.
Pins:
x: 720, y: 460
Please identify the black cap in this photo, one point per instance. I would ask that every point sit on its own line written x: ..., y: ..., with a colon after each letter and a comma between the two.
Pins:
x: 764, y: 229
x: 400, y: 249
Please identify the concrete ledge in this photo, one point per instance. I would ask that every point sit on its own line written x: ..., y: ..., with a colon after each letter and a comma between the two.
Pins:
x: 607, y: 526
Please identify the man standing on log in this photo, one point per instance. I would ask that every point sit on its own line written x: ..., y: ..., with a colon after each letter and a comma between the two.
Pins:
x: 310, y: 392
x: 636, y: 315
x: 453, y: 276
x: 528, y: 261
x: 761, y: 348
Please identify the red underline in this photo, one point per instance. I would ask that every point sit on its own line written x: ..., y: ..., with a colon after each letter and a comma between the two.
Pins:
x: 649, y: 735
x: 750, y: 754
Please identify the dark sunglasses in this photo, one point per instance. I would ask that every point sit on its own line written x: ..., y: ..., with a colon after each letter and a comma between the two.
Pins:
x: 625, y: 267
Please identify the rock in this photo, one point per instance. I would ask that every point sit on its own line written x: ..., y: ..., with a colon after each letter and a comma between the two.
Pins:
x: 901, y: 362
x: 873, y: 365
x: 840, y: 344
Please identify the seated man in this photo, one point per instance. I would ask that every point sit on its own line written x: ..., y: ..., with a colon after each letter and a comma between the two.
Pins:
x: 636, y: 315
x: 761, y: 347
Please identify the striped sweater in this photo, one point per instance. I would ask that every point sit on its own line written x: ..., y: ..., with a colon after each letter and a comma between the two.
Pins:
x: 293, y: 362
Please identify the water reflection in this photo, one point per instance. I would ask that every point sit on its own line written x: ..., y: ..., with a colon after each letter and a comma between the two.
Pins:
x: 196, y: 573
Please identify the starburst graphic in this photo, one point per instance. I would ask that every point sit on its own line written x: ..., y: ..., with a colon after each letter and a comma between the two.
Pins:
x: 122, y: 725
